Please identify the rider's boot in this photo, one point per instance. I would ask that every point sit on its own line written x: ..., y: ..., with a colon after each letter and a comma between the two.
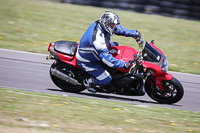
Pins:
x: 89, y: 84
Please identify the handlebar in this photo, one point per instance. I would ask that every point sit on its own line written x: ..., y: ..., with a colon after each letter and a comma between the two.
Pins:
x: 140, y: 42
x: 137, y: 60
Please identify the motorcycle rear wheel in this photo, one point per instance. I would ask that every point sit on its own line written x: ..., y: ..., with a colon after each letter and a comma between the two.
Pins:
x: 172, y: 93
x: 65, y: 86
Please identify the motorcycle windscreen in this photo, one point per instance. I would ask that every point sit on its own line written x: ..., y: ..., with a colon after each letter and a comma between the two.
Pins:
x: 151, y: 54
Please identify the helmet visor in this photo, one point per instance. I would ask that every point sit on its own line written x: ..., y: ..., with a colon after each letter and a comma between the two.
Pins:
x: 113, y: 26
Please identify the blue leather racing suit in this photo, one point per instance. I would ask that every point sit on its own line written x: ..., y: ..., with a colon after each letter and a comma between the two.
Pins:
x: 94, y: 50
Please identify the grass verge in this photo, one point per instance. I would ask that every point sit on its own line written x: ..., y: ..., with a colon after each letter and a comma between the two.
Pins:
x: 30, y: 25
x: 23, y: 111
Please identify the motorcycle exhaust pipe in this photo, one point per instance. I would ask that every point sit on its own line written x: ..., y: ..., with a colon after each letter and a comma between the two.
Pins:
x: 64, y: 77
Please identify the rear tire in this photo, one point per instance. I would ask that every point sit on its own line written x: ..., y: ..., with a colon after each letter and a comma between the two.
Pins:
x: 65, y: 86
x: 172, y: 93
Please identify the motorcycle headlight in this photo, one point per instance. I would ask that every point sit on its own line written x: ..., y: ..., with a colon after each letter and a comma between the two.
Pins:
x: 164, y: 66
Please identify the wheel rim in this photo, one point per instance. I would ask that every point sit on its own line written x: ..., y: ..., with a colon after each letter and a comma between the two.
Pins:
x: 169, y: 89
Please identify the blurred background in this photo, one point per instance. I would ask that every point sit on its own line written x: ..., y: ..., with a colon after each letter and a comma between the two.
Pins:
x: 173, y: 8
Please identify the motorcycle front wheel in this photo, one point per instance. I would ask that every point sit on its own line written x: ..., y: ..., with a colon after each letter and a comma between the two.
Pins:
x: 172, y: 93
x: 65, y: 86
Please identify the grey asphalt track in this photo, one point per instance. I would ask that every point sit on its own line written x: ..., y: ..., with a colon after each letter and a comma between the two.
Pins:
x: 30, y: 71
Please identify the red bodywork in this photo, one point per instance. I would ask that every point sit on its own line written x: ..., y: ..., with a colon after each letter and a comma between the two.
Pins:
x: 124, y: 53
x: 68, y: 59
x: 127, y: 53
x: 65, y: 58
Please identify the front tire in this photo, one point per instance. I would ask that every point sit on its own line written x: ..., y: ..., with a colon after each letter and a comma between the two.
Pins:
x: 172, y: 93
x: 63, y: 84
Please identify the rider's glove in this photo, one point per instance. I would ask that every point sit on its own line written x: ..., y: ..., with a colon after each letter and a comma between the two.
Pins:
x: 137, y: 36
x: 127, y: 65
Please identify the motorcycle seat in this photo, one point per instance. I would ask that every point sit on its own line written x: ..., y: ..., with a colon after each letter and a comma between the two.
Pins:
x: 66, y: 47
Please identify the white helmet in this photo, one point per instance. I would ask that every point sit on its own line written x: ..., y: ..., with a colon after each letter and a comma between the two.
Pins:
x: 108, y: 21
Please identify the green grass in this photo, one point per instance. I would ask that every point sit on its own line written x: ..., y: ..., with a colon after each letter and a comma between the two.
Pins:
x: 23, y: 111
x: 29, y: 25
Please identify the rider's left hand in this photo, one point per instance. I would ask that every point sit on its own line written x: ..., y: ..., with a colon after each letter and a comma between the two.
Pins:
x: 137, y: 36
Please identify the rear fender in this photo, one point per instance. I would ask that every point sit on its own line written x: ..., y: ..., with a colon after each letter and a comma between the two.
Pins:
x: 160, y: 78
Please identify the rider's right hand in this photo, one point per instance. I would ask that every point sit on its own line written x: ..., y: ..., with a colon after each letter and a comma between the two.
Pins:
x: 127, y: 65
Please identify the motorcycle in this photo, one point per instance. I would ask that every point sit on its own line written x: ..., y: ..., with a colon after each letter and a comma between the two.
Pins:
x: 148, y: 73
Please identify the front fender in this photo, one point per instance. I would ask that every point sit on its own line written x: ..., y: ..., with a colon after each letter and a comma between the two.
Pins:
x: 160, y: 78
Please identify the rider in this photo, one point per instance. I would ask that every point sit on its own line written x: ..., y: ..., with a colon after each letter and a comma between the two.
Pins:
x: 94, y: 49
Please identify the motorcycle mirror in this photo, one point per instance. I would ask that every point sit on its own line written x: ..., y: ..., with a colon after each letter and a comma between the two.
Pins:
x: 153, y: 41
